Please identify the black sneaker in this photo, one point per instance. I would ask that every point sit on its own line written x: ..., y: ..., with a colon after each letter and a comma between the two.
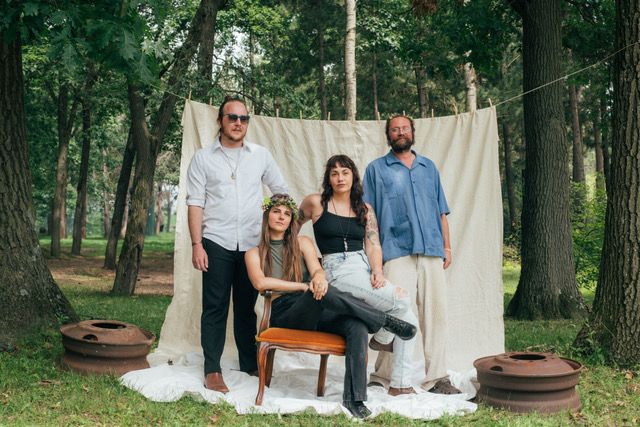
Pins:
x: 357, y: 408
x: 400, y: 328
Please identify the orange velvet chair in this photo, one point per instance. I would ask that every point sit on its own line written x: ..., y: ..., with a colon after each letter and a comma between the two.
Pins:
x: 270, y: 339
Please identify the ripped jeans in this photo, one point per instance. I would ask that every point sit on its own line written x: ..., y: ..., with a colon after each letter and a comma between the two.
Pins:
x: 351, y: 272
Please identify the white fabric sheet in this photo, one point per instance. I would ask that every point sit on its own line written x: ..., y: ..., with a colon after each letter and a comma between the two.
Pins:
x: 465, y: 150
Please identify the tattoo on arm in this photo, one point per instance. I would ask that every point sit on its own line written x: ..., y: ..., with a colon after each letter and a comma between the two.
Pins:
x: 371, y: 229
x: 301, y: 216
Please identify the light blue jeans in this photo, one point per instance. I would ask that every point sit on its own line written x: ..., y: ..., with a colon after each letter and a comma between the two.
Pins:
x: 351, y: 272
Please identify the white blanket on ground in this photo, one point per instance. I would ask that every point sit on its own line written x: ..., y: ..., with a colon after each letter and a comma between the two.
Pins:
x: 465, y: 149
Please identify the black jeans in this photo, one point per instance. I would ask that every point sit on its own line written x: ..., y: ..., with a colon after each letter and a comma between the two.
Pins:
x: 227, y: 270
x: 340, y: 313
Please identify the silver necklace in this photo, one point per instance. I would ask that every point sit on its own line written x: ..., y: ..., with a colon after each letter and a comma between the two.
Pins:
x: 344, y: 233
x: 227, y: 159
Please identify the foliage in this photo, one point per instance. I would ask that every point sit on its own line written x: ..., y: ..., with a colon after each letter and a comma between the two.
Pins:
x: 588, y: 236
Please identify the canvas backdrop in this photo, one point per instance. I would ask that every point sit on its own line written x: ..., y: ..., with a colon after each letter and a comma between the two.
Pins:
x: 465, y: 150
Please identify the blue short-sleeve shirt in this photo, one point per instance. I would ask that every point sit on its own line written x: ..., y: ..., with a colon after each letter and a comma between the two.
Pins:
x: 408, y: 204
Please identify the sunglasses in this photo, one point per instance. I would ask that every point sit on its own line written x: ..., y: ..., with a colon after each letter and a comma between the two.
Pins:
x: 234, y: 117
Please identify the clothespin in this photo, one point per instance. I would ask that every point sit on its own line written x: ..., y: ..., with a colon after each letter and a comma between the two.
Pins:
x: 209, y: 101
x: 455, y: 108
x: 300, y: 114
x: 432, y: 113
x: 490, y: 103
x: 328, y: 115
x: 189, y: 94
x: 277, y: 113
x: 404, y: 113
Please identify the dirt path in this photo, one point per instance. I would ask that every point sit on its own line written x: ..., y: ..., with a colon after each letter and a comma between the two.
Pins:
x: 155, y: 277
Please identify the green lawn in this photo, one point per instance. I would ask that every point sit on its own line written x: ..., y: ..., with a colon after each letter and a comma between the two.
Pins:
x: 35, y: 391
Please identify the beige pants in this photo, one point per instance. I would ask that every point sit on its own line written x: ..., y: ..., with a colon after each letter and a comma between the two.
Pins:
x: 423, y: 277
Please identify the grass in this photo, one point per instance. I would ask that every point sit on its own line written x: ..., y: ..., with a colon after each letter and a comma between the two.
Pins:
x: 34, y: 390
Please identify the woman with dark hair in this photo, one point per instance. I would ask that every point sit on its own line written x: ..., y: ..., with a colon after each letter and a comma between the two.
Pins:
x: 285, y: 261
x: 346, y: 232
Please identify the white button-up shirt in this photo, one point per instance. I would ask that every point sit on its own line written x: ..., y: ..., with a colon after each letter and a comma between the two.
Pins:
x: 232, y: 207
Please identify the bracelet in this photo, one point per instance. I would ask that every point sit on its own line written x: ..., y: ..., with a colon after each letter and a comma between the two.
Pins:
x: 196, y: 243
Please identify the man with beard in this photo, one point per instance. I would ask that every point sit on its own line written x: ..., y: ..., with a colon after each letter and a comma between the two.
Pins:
x: 405, y: 191
x: 224, y: 198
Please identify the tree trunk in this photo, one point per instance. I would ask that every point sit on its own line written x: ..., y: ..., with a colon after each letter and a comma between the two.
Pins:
x: 374, y: 87
x: 324, y: 108
x: 470, y: 84
x: 579, y: 191
x: 148, y: 144
x: 131, y: 254
x: 158, y: 213
x: 508, y: 174
x: 150, y: 228
x: 169, y: 208
x: 350, y: 60
x: 207, y: 41
x: 421, y: 84
x: 29, y: 297
x: 614, y: 324
x: 79, y: 218
x: 547, y: 288
x: 605, y: 143
x: 597, y: 142
x: 65, y: 125
x: 120, y: 203
x: 578, y: 157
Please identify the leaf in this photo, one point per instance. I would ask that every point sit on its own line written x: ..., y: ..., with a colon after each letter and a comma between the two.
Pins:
x: 128, y: 48
x: 30, y: 9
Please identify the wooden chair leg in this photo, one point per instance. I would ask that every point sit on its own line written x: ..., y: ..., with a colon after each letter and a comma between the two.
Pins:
x: 322, y: 375
x: 263, y: 349
x: 270, y: 356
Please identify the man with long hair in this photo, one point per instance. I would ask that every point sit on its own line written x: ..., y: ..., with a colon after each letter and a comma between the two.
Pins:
x: 404, y: 189
x: 224, y: 189
x: 285, y: 261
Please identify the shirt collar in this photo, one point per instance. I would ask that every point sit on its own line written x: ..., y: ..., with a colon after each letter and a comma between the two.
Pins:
x: 245, y: 145
x: 391, y: 158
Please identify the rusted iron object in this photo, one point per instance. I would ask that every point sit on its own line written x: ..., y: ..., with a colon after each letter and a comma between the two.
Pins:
x: 105, y: 346
x: 528, y: 382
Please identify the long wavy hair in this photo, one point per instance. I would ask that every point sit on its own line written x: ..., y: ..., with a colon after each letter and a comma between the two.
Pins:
x: 357, y: 203
x: 291, y: 254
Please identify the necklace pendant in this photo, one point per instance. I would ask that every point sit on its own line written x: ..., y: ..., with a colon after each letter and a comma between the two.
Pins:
x: 233, y: 175
x: 346, y: 246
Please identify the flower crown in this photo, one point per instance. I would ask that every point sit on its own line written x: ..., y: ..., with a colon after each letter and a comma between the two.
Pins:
x: 280, y: 200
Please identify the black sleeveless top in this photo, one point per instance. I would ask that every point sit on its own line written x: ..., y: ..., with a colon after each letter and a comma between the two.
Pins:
x: 331, y: 232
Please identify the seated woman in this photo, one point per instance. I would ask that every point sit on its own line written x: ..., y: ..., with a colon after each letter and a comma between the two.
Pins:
x: 284, y: 261
x: 346, y: 231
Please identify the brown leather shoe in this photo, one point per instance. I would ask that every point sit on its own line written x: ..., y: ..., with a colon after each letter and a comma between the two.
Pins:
x: 213, y: 381
x: 444, y: 386
x: 375, y: 345
x: 397, y: 391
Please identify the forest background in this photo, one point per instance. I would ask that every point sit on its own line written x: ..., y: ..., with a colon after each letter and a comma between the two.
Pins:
x: 91, y: 138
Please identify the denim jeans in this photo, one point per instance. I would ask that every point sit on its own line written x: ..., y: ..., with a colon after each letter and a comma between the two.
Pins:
x: 351, y: 272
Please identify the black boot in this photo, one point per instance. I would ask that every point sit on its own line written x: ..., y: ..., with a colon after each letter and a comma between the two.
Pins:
x: 400, y: 328
x: 357, y: 408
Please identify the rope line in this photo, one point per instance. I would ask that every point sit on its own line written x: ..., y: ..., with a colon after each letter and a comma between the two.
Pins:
x: 566, y: 76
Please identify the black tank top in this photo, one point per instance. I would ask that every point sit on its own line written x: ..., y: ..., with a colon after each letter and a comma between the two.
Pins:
x: 331, y: 232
